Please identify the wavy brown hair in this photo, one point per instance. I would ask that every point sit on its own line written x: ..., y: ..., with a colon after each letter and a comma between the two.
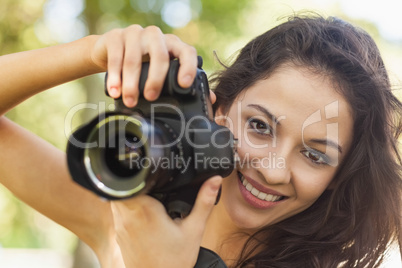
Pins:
x: 354, y: 223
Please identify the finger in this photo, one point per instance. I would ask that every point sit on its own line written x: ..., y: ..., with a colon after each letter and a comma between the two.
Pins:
x: 204, y: 203
x: 212, y: 96
x: 159, y: 62
x: 115, y: 54
x: 132, y: 65
x: 187, y: 56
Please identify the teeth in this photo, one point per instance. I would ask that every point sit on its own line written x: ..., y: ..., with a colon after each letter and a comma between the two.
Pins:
x: 249, y: 187
x: 262, y: 195
x: 257, y: 193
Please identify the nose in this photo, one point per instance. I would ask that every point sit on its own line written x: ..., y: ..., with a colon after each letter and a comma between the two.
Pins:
x: 272, y: 163
x: 275, y: 167
x: 276, y: 174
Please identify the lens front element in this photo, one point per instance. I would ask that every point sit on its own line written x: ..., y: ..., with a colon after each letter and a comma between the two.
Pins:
x: 121, y: 141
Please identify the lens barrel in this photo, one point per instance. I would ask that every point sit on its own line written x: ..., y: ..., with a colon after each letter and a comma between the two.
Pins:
x: 123, y: 162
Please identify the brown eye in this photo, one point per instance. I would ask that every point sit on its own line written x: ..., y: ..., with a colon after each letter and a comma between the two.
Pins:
x: 260, y: 127
x: 313, y: 157
x: 316, y: 157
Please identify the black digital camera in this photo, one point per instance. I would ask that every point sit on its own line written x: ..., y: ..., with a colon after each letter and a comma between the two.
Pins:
x: 166, y: 148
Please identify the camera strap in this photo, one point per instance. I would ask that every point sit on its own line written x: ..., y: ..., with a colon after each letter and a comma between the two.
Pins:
x: 209, y: 259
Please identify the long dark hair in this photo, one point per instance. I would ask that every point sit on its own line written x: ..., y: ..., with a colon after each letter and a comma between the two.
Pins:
x: 353, y: 224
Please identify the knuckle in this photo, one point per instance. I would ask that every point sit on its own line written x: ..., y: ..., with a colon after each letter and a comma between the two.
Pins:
x: 134, y: 27
x: 209, y: 202
x: 191, y: 50
x: 206, y: 202
x: 116, y: 33
x: 162, y: 55
x: 133, y: 62
x: 152, y: 29
x: 172, y: 37
x: 115, y: 61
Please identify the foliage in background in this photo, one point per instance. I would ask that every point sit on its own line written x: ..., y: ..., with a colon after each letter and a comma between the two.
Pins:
x: 211, y: 23
x: 17, y: 30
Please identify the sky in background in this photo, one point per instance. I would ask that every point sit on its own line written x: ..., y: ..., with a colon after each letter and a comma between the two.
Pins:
x: 386, y: 14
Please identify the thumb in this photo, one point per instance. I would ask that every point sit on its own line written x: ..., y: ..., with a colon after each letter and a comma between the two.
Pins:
x: 206, y: 199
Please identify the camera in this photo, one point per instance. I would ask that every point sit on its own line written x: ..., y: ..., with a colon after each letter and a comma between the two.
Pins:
x: 165, y: 148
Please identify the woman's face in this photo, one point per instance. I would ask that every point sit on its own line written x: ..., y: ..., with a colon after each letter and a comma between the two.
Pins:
x: 293, y: 131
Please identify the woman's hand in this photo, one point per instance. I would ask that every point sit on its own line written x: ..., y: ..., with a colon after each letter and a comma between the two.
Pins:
x: 121, y: 52
x: 148, y: 237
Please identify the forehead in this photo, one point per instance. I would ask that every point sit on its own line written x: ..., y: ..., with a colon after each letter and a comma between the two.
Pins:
x: 304, y: 100
x: 298, y: 88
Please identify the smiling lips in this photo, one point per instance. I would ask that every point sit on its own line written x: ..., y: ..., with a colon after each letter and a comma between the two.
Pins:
x: 258, y: 198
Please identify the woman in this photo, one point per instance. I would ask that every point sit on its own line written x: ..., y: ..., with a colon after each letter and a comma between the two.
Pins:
x: 359, y: 212
x: 319, y: 178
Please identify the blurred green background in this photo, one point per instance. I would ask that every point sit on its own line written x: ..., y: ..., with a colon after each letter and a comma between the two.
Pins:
x: 223, y: 26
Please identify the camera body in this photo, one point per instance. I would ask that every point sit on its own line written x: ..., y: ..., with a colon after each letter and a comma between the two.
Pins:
x: 166, y: 148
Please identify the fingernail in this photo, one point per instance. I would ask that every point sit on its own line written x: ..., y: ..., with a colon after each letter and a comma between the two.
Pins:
x: 114, y: 92
x: 216, y: 184
x: 151, y: 94
x: 186, y: 81
x: 129, y: 101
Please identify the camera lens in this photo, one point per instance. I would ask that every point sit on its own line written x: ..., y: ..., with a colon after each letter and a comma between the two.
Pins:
x: 122, y: 159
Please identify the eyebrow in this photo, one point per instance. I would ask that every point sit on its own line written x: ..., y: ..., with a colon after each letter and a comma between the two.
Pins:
x: 264, y: 111
x: 328, y: 143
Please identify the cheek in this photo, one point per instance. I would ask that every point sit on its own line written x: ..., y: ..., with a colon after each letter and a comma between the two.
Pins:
x: 310, y: 184
x: 248, y: 153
